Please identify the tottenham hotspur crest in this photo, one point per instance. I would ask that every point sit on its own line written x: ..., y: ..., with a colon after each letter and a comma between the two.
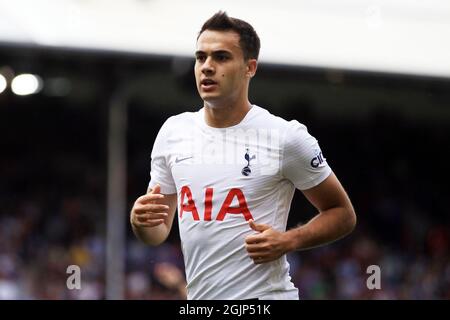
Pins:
x: 246, y: 170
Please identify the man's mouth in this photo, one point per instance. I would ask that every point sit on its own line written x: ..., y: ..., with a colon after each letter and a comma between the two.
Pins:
x: 208, y: 84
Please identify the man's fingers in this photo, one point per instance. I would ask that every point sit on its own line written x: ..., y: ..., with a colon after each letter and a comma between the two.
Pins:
x: 253, y: 239
x: 151, y: 216
x: 148, y: 208
x: 147, y: 213
x: 151, y: 223
x: 156, y: 189
x: 259, y: 258
x: 258, y: 227
x: 149, y: 197
x: 251, y: 248
x: 256, y: 256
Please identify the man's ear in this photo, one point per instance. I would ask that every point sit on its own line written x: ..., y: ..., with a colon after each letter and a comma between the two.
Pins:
x: 252, y: 65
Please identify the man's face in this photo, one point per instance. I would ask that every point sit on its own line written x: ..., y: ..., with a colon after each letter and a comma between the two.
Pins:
x: 220, y: 70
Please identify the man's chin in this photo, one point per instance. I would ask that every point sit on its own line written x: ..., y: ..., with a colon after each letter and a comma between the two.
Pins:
x: 211, y: 98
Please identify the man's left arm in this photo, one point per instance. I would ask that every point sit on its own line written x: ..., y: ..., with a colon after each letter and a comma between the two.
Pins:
x: 336, y: 219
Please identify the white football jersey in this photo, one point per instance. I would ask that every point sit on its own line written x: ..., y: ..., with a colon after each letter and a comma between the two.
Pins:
x: 224, y: 177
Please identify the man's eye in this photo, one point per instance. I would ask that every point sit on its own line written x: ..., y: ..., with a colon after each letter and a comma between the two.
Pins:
x: 200, y: 58
x: 222, y: 58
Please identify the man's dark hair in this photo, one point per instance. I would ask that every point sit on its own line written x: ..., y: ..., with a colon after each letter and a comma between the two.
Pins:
x: 248, y: 39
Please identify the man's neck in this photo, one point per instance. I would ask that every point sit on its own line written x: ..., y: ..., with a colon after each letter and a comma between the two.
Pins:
x: 223, y: 116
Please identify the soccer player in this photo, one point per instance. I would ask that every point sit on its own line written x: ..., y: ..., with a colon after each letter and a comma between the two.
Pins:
x: 231, y: 170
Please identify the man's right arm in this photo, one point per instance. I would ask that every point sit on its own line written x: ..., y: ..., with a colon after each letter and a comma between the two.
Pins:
x: 152, y: 216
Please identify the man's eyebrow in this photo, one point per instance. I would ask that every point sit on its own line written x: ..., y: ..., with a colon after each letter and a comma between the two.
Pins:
x: 200, y: 52
x: 222, y: 52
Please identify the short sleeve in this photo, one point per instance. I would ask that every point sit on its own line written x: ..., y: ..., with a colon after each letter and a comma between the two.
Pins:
x: 160, y: 172
x: 303, y: 162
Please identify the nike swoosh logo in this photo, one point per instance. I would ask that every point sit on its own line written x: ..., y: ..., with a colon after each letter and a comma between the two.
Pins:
x: 182, y: 159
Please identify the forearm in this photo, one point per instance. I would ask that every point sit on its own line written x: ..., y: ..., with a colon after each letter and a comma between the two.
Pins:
x: 151, y: 235
x: 328, y: 226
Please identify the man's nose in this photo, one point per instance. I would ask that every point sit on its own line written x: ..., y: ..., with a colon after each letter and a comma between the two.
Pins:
x: 208, y: 67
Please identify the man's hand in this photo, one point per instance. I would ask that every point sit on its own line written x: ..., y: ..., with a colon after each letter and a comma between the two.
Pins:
x: 146, y: 212
x: 268, y: 245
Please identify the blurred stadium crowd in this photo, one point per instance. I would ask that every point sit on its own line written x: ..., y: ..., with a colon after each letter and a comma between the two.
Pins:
x: 52, y: 214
